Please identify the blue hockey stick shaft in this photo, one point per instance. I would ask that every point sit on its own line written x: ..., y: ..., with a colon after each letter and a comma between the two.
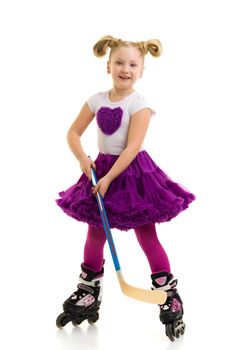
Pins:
x: 105, y: 222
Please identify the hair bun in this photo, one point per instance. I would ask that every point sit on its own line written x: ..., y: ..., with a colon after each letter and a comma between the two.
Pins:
x: 154, y: 46
x: 101, y: 47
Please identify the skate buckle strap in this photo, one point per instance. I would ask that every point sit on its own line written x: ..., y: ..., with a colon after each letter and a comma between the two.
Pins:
x: 93, y: 283
x: 86, y: 288
x: 171, y: 285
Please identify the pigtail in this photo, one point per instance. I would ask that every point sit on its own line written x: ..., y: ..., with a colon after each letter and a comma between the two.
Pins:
x: 101, y: 47
x: 154, y: 46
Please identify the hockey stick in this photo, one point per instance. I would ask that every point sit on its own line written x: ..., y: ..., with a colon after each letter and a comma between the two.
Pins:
x: 149, y: 296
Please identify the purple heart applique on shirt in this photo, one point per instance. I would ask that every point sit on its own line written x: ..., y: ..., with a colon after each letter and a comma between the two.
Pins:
x: 109, y: 120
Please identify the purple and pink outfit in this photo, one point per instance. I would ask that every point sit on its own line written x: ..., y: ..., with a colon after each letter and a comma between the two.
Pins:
x: 139, y: 197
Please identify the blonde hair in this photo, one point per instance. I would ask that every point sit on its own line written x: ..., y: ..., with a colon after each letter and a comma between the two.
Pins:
x: 101, y: 47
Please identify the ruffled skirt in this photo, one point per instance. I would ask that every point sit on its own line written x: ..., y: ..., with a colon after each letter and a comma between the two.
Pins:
x: 141, y: 194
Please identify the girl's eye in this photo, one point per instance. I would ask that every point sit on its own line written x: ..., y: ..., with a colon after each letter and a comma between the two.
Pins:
x: 118, y: 62
x: 133, y: 65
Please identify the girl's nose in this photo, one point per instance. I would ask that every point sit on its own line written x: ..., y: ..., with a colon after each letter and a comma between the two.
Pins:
x: 125, y: 68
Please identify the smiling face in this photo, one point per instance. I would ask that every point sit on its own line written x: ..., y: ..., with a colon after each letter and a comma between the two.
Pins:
x: 125, y: 65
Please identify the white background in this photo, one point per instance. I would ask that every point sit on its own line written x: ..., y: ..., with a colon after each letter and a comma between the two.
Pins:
x: 47, y: 73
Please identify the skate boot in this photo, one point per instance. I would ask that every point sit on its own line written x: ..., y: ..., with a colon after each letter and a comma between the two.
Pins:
x: 84, y: 303
x: 171, y: 312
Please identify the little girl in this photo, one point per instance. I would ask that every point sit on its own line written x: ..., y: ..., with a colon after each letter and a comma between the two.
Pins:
x: 137, y: 193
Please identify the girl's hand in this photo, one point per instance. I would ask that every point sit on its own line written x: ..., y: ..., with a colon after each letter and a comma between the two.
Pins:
x: 102, y: 186
x: 85, y: 165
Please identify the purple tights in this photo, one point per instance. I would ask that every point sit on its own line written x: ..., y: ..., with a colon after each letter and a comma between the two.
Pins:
x: 147, y: 238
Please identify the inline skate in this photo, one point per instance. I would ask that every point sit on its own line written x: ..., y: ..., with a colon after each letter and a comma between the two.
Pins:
x: 171, y: 312
x: 84, y: 303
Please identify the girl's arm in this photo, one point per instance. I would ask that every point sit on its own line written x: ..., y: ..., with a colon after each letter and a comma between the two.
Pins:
x: 73, y: 138
x: 137, y: 131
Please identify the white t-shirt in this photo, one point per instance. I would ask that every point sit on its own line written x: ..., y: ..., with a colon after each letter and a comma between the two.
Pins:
x: 113, y: 119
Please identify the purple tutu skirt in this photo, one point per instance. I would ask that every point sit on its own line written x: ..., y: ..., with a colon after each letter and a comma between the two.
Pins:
x: 141, y: 194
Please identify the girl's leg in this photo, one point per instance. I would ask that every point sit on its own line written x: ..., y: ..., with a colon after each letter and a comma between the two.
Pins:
x: 149, y: 242
x: 94, y: 248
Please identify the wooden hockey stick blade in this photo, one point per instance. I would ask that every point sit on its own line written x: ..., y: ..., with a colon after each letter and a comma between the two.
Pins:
x: 148, y: 296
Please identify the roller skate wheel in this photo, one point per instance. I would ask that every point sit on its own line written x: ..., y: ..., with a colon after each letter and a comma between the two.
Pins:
x: 93, y: 318
x: 170, y: 331
x: 179, y: 328
x: 62, y: 320
x: 175, y: 329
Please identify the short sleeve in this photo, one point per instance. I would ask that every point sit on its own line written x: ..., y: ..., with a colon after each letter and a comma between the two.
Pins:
x: 138, y: 103
x: 92, y: 102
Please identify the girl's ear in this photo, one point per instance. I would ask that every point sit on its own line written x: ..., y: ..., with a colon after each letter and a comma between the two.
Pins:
x: 108, y: 67
x: 141, y: 72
